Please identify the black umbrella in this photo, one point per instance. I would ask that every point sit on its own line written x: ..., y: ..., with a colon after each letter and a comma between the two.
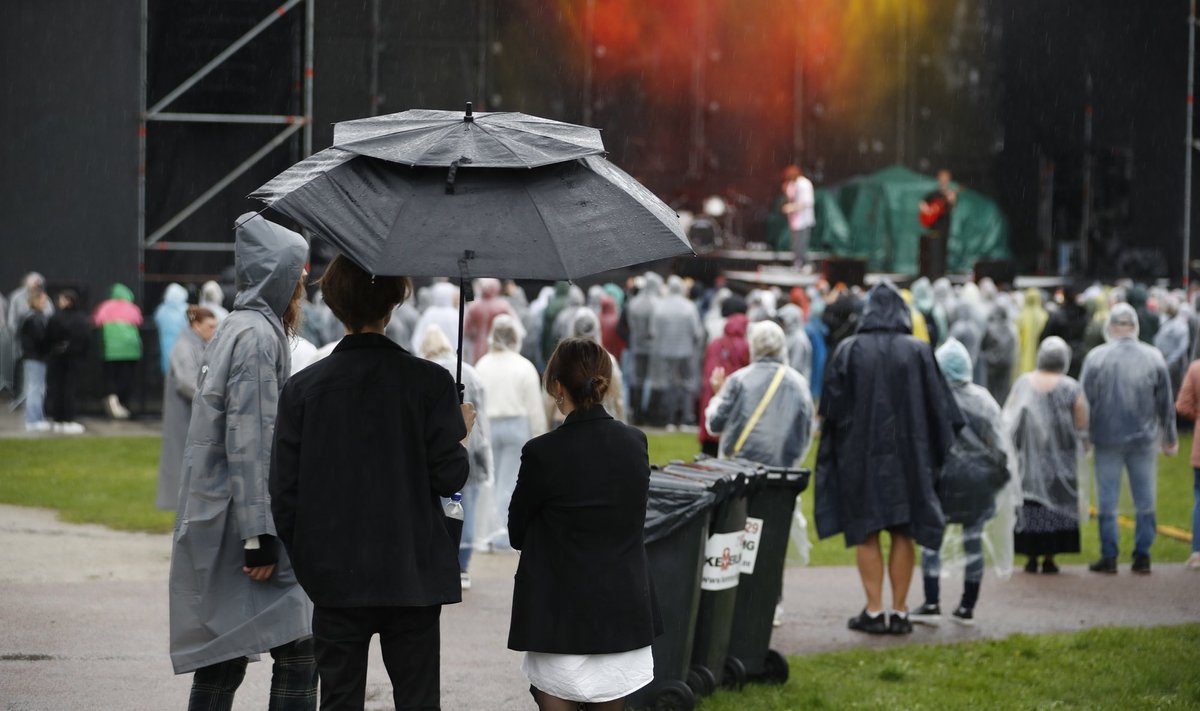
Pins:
x: 561, y: 221
x: 486, y: 140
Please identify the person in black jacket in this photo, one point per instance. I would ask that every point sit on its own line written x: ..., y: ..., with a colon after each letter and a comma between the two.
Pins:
x: 366, y: 441
x: 31, y: 331
x: 68, y: 337
x: 583, y: 608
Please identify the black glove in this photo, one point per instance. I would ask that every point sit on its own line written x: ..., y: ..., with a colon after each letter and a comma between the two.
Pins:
x: 267, y: 552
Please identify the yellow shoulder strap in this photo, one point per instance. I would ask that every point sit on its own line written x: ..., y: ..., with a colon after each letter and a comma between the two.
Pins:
x: 758, y: 411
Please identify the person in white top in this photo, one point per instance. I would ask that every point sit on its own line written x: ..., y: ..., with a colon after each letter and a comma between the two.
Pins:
x: 800, y: 209
x: 515, y: 414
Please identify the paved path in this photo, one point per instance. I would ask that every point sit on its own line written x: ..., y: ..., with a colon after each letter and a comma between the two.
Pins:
x: 83, y: 620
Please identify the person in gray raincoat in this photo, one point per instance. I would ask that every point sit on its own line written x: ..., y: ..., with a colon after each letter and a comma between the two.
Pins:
x: 799, y: 347
x: 780, y: 436
x: 676, y: 345
x: 179, y: 387
x: 233, y: 593
x: 638, y: 313
x: 1128, y: 388
x: 888, y: 422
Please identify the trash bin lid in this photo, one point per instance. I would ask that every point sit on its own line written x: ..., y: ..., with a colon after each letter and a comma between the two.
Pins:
x: 672, y: 503
x: 722, y: 483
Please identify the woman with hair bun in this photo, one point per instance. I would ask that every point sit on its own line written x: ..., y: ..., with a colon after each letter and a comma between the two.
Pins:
x: 583, y: 608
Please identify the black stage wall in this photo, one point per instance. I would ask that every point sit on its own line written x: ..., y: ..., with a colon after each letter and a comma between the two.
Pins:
x: 68, y: 156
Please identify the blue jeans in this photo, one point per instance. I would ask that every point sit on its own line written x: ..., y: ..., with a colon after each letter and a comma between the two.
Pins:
x: 1141, y: 461
x: 35, y: 390
x: 509, y: 435
x: 1196, y: 512
x: 931, y: 560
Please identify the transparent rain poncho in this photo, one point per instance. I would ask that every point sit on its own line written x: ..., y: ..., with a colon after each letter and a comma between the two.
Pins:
x: 1128, y: 388
x: 1047, y: 430
x: 979, y: 482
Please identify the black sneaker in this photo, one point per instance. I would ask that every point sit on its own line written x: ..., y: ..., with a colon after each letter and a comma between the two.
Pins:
x: 898, y: 623
x: 1141, y: 564
x: 871, y: 625
x: 964, y: 616
x: 1031, y: 565
x: 1109, y: 566
x: 927, y: 614
x: 1049, y: 567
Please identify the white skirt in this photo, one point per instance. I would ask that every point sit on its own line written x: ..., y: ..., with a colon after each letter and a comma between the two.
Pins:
x: 589, y: 678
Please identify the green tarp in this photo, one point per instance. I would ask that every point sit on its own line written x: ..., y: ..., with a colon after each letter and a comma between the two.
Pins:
x: 875, y: 216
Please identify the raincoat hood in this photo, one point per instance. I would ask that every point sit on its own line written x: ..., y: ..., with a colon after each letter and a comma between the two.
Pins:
x: 922, y: 291
x: 120, y: 292
x: 211, y: 293
x: 1121, y: 314
x: 1033, y: 299
x: 791, y: 317
x: 269, y: 260
x: 675, y: 286
x: 735, y: 326
x: 955, y: 362
x: 654, y: 284
x: 885, y: 311
x: 608, y: 305
x: 767, y: 341
x: 175, y: 295
x: 442, y: 295
x: 489, y: 288
x: 561, y: 289
x: 575, y: 297
x: 586, y: 325
x: 1137, y: 297
x: 506, y: 334
x: 1054, y: 355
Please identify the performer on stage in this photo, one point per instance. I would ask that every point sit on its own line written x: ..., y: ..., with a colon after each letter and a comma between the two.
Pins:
x: 935, y: 212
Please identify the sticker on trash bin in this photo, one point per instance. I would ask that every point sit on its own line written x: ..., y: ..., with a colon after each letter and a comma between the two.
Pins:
x: 722, y: 561
x: 753, y: 534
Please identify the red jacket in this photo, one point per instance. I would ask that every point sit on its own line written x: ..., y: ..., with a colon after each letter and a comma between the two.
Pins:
x: 731, y: 352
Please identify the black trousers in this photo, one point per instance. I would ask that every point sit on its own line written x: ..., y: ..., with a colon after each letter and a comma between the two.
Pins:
x: 410, y: 638
x: 60, y: 389
x: 118, y: 378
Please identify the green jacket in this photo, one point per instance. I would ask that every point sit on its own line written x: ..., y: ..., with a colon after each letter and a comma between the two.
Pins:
x: 118, y: 324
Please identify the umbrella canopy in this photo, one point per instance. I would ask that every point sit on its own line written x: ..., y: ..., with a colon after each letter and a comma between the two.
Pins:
x: 422, y: 137
x: 561, y: 221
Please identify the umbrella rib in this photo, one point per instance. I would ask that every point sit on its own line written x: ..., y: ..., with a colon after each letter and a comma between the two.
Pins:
x: 557, y: 250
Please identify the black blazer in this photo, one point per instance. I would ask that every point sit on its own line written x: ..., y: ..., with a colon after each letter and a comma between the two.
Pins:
x: 577, y: 514
x: 366, y: 441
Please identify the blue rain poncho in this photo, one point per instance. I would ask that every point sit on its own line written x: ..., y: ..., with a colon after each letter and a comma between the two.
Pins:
x: 1128, y: 388
x: 170, y: 318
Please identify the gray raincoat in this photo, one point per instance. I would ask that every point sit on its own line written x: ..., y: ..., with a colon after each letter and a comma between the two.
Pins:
x: 217, y: 612
x: 799, y: 347
x: 179, y: 387
x: 782, y: 435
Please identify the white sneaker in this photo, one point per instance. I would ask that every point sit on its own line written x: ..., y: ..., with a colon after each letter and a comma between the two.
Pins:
x: 465, y: 579
x: 777, y: 621
x: 1193, y: 562
x: 39, y: 426
x: 72, y: 428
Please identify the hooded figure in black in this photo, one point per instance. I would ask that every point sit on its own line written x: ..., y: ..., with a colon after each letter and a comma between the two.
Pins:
x: 888, y: 421
x: 1069, y: 322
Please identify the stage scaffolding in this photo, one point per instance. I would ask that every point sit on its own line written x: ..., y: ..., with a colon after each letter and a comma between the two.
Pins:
x: 294, y: 126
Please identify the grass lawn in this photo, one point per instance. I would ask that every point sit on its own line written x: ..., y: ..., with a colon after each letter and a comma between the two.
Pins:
x: 1174, y: 506
x: 111, y: 481
x: 1111, y: 668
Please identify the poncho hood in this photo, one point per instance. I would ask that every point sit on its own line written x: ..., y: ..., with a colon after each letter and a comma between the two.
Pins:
x: 885, y: 311
x: 269, y: 261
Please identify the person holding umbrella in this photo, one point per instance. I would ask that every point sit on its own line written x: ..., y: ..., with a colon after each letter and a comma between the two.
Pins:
x: 366, y: 441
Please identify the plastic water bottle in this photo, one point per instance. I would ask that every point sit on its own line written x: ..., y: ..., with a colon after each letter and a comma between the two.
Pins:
x: 454, y: 507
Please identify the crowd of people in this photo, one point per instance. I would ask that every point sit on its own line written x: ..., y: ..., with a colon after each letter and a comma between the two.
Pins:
x: 954, y: 419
